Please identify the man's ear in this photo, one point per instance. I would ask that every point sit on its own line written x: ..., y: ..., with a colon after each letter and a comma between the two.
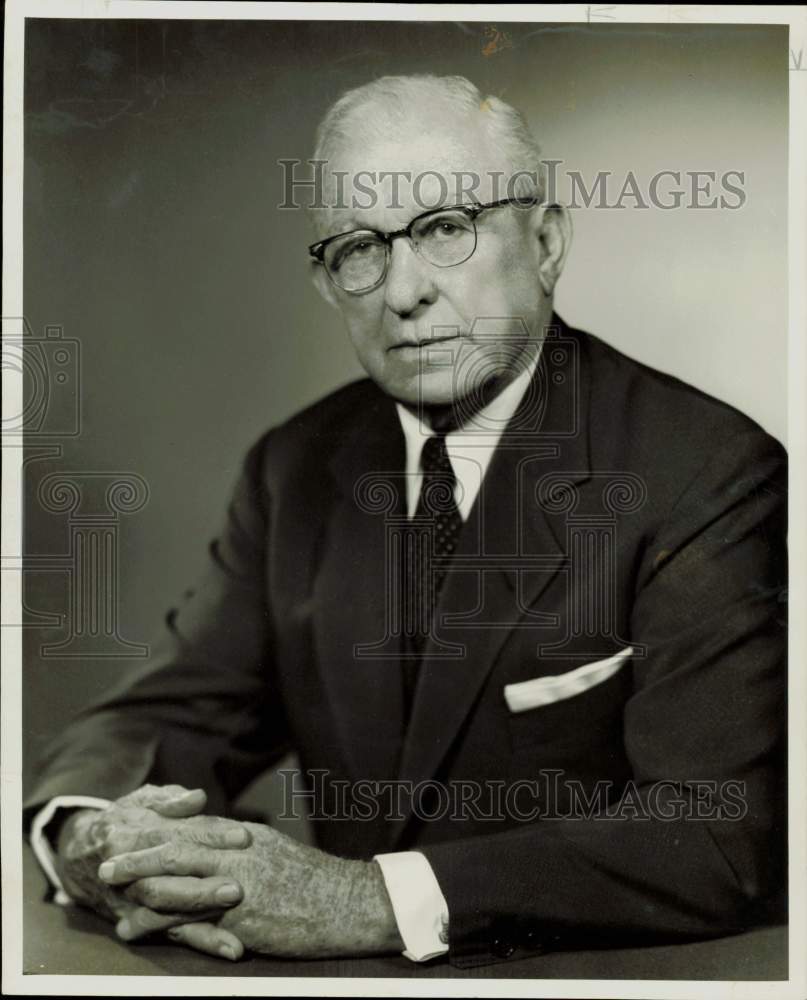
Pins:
x: 323, y: 284
x: 555, y: 235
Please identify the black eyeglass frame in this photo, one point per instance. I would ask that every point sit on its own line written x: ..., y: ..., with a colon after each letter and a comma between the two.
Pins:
x: 317, y: 250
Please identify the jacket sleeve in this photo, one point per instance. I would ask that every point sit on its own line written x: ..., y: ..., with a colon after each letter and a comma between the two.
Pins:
x: 708, y: 706
x: 201, y: 711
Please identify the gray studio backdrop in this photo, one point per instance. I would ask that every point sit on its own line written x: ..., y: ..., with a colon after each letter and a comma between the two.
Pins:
x: 152, y: 239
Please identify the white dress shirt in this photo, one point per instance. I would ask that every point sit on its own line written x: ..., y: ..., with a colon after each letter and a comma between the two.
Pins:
x: 419, y: 906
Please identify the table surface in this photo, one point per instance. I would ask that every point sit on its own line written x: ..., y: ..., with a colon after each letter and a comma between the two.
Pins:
x: 73, y: 941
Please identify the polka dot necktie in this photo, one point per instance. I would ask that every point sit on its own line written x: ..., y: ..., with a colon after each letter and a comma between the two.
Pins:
x: 435, y: 530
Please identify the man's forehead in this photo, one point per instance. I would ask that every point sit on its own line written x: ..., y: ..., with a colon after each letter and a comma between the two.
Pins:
x: 389, y: 180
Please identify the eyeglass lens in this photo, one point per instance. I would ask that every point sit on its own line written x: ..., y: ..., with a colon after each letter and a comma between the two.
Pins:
x: 358, y: 261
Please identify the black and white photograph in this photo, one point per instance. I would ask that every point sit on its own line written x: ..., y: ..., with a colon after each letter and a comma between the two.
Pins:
x: 403, y: 493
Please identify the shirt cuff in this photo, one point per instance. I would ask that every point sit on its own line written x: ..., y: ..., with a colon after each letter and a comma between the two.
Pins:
x: 40, y: 845
x: 420, y: 908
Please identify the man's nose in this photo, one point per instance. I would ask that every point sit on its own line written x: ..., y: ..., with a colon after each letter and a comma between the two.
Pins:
x: 409, y: 284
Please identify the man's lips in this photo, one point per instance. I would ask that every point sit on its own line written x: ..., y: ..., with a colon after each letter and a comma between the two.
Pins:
x: 415, y: 345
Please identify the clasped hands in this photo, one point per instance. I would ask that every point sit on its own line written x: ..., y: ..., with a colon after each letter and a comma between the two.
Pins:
x: 152, y: 863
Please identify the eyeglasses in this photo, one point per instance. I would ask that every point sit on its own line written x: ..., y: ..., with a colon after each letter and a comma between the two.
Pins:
x: 358, y: 261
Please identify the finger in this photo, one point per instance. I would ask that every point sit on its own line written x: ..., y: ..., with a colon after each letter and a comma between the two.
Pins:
x: 189, y: 803
x: 175, y: 858
x: 139, y: 922
x: 173, y: 801
x: 208, y: 938
x: 222, y: 834
x: 122, y: 838
x: 146, y: 794
x: 183, y: 894
x: 212, y: 831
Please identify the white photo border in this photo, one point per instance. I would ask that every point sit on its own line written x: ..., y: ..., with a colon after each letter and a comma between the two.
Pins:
x: 795, y: 16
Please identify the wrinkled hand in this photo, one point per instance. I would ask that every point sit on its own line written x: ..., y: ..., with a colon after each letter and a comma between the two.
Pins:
x: 145, y: 818
x: 297, y: 902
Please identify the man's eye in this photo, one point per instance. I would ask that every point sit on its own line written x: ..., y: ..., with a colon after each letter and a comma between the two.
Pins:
x: 443, y: 229
x: 353, y: 251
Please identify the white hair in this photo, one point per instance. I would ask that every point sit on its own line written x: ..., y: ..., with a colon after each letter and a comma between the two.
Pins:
x: 397, y: 98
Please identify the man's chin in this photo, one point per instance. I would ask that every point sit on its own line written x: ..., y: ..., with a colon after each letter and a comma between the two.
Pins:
x: 422, y: 389
x: 433, y: 393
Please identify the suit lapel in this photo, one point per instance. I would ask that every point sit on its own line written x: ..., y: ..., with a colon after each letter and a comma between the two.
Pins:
x: 357, y: 651
x: 511, y: 548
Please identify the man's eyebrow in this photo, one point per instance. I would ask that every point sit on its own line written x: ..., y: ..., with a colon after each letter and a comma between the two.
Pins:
x: 348, y: 225
x: 351, y: 224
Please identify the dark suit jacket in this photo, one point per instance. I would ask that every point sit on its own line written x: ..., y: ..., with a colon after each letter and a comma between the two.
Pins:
x: 621, y: 507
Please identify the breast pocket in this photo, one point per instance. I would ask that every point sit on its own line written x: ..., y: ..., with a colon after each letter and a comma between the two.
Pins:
x: 573, y: 706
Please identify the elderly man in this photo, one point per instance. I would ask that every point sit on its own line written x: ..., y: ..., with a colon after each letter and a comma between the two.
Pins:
x: 512, y: 562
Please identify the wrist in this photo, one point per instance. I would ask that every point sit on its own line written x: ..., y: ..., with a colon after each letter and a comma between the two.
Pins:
x: 388, y: 938
x: 72, y: 830
x: 76, y: 860
x: 366, y: 921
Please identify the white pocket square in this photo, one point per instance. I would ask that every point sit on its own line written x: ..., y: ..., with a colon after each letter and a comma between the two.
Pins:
x: 544, y: 690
